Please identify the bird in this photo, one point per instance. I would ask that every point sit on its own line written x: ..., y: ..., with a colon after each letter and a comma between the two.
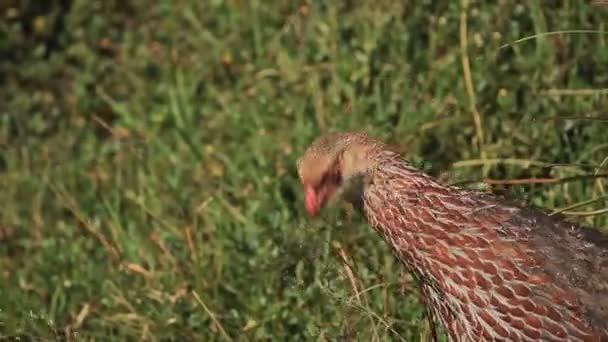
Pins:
x: 488, y: 269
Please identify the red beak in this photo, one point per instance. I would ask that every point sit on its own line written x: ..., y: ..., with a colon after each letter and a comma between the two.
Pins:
x: 312, y: 201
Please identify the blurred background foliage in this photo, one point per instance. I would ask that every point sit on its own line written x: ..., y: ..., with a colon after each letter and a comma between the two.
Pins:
x: 147, y: 153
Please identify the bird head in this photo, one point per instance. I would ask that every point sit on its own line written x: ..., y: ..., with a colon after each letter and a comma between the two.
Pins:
x: 335, y: 166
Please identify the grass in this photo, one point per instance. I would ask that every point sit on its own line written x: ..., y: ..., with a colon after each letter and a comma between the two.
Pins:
x: 147, y: 154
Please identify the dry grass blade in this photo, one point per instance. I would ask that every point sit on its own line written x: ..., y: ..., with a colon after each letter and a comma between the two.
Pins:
x: 131, y: 196
x: 525, y: 163
x: 542, y: 180
x: 355, y: 286
x: 602, y: 164
x: 599, y: 184
x: 156, y: 238
x: 70, y: 204
x: 82, y: 315
x: 586, y: 213
x: 578, y: 205
x: 138, y: 269
x: 575, y: 92
x: 468, y: 78
x: 551, y: 33
x: 216, y: 322
x: 373, y: 315
x: 350, y: 274
x: 370, y: 288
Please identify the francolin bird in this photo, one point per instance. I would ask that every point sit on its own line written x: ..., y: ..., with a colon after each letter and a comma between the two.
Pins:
x: 488, y: 270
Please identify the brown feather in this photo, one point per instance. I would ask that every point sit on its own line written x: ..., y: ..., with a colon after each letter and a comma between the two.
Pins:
x: 487, y: 268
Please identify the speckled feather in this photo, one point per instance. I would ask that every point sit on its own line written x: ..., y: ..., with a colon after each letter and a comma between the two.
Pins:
x: 488, y: 269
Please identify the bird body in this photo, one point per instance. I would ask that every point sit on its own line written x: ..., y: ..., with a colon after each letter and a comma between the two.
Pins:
x: 488, y: 270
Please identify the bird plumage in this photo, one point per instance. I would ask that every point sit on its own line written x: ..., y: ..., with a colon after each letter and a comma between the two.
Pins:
x: 488, y: 269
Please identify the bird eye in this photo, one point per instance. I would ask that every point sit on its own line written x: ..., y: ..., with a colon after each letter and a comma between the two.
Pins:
x: 336, y: 178
x: 324, y: 181
x: 332, y: 177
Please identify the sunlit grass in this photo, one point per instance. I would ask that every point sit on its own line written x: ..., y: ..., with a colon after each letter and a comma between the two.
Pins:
x: 147, y: 161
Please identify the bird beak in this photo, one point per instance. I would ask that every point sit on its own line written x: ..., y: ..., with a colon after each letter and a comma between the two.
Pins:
x: 312, y: 201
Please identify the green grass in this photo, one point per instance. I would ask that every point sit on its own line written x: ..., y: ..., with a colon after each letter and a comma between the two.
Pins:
x: 147, y: 154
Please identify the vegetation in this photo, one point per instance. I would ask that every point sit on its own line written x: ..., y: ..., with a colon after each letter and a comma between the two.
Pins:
x: 147, y: 153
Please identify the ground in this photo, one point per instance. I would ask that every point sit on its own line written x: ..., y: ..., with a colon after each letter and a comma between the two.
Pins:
x: 147, y: 153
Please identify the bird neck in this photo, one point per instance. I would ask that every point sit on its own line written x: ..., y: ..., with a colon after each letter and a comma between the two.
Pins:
x: 415, y: 214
